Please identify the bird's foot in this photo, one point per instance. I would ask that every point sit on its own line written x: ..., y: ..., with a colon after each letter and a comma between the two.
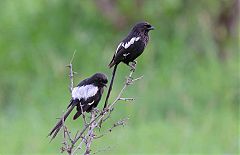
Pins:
x: 133, y: 65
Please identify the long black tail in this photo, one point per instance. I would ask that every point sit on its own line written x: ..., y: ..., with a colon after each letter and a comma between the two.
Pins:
x: 111, y: 84
x: 59, y: 124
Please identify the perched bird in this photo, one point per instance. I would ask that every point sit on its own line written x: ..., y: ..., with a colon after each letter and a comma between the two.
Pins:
x: 85, y: 97
x: 129, y: 49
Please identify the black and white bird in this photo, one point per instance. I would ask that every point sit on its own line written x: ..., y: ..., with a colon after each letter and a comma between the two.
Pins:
x: 129, y: 49
x: 85, y: 97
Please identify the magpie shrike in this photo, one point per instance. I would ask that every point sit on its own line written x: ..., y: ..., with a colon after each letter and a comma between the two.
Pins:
x: 85, y: 97
x: 129, y: 49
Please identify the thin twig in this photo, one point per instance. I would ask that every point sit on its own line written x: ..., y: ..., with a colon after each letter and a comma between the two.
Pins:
x: 73, y: 56
x: 83, y: 114
x: 121, y: 122
x: 126, y: 99
x: 108, y: 116
x: 71, y: 72
x: 118, y: 123
x: 90, y: 135
x: 66, y: 146
x: 84, y: 139
x: 68, y: 133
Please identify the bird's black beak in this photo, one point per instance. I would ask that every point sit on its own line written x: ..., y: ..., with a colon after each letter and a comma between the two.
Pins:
x: 105, y: 85
x: 151, y: 28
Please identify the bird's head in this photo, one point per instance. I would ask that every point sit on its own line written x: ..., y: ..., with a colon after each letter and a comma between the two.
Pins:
x: 99, y: 79
x: 143, y: 27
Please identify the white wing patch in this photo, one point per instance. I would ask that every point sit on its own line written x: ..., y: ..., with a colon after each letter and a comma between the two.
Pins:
x: 91, y: 103
x: 84, y: 92
x: 118, y: 47
x: 126, y: 54
x: 126, y: 45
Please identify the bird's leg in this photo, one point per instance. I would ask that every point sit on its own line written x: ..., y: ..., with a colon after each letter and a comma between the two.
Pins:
x: 133, y: 65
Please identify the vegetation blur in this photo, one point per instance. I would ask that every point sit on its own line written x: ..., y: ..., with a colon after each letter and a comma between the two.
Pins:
x: 187, y: 102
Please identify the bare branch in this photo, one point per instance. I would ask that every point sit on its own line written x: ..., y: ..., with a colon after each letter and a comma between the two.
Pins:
x: 65, y: 142
x: 83, y: 115
x: 71, y: 72
x: 68, y: 133
x: 90, y: 134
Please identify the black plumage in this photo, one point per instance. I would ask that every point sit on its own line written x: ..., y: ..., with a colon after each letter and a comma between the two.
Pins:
x: 129, y: 49
x: 85, y: 97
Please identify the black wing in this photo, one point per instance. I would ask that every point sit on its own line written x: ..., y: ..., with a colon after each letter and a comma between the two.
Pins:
x: 83, y: 82
x: 128, y: 51
x: 113, y: 61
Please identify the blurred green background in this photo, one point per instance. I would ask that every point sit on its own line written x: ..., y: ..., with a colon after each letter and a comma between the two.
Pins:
x: 187, y: 102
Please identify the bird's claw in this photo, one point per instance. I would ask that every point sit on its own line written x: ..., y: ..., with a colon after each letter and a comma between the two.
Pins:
x: 135, y: 62
x: 133, y: 65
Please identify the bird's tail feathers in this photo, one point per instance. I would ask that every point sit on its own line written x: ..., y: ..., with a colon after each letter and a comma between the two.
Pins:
x: 70, y: 103
x: 59, y: 124
x: 77, y: 115
x: 111, y: 84
x: 111, y: 64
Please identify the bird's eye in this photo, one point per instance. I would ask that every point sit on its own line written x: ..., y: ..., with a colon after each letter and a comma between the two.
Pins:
x: 147, y: 26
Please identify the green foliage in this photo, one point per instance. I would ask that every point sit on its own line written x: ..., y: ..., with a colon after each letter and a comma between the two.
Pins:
x: 187, y: 102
